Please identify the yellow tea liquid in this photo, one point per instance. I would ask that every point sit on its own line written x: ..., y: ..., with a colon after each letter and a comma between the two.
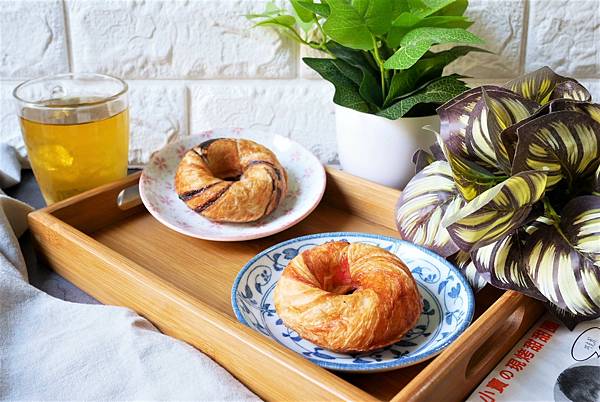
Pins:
x: 68, y: 159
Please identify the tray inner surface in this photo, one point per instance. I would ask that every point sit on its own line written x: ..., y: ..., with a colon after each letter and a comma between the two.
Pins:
x: 207, y: 269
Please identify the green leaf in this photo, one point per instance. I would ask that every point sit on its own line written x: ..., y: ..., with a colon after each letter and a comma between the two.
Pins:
x: 271, y: 9
x: 426, y: 69
x: 376, y: 13
x: 403, y: 82
x: 285, y: 21
x: 399, y: 7
x: 458, y: 7
x: 463, y: 262
x: 353, y: 24
x: 346, y: 91
x: 424, y: 8
x: 540, y: 85
x: 418, y: 41
x: 369, y: 86
x: 501, y: 262
x: 321, y: 9
x: 406, y: 20
x: 347, y: 27
x: 446, y: 22
x: 454, y: 116
x: 563, y: 260
x: 303, y: 13
x: 438, y: 91
x: 413, y: 19
x: 395, y: 35
x: 493, y: 113
x: 350, y: 72
x: 565, y: 145
x: 425, y: 201
x: 496, y: 212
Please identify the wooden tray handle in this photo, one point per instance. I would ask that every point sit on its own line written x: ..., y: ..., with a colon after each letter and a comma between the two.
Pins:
x: 116, y: 201
x: 476, y: 352
x: 486, y: 354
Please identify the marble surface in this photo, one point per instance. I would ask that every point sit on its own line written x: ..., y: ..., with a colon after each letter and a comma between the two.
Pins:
x: 40, y: 275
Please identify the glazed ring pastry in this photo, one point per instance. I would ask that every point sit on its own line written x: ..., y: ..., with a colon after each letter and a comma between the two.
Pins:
x: 348, y: 297
x: 231, y: 180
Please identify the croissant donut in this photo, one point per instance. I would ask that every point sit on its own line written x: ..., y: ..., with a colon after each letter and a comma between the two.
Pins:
x: 231, y: 180
x: 348, y: 297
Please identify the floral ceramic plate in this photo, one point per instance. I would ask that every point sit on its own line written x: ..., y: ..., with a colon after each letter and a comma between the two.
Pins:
x: 306, y: 184
x: 447, y: 304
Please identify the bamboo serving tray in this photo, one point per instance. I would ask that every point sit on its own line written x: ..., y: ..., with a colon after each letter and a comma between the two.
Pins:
x: 118, y: 253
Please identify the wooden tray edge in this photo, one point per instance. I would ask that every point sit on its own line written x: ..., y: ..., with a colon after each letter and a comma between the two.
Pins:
x: 473, y: 362
x: 477, y: 351
x: 88, y: 263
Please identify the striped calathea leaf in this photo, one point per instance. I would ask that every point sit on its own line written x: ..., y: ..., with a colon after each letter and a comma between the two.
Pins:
x: 478, y: 157
x: 426, y: 200
x: 463, y: 262
x: 596, y: 188
x: 543, y: 85
x: 570, y: 89
x: 454, y: 117
x: 508, y: 136
x: 591, y: 109
x: 493, y: 113
x: 520, y: 191
x: 569, y: 319
x: 422, y: 158
x: 470, y: 178
x: 501, y: 262
x: 565, y: 145
x: 563, y: 259
x: 497, y: 211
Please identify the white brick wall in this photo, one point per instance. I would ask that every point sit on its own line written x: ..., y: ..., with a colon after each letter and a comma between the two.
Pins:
x: 195, y: 64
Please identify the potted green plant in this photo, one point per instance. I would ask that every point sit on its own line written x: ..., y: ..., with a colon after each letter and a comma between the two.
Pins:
x: 388, y: 81
x: 512, y: 192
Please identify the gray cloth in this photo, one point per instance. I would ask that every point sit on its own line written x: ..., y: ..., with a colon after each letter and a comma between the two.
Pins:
x: 56, y: 350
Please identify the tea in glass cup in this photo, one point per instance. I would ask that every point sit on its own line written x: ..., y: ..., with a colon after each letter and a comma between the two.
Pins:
x: 76, y: 130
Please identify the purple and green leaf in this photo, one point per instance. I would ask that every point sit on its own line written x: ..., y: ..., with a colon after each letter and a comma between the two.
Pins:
x: 496, y: 212
x: 565, y: 145
x: 544, y: 85
x: 427, y: 199
x: 563, y: 260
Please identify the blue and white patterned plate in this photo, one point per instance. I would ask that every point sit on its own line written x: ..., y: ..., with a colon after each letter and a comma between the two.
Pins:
x: 448, y: 303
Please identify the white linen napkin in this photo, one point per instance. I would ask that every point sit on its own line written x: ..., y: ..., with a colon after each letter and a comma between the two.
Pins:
x: 51, y: 349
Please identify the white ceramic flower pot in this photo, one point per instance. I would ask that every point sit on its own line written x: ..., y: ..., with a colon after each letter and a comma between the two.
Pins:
x: 379, y: 149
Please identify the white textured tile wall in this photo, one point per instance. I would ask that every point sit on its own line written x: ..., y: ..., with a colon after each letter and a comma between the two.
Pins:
x: 565, y: 34
x: 33, y: 39
x: 175, y: 39
x: 501, y: 24
x: 196, y: 64
x: 9, y: 123
x: 300, y: 109
x: 158, y: 115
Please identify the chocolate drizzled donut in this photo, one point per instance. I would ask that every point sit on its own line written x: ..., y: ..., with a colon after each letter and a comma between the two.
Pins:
x: 231, y: 180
